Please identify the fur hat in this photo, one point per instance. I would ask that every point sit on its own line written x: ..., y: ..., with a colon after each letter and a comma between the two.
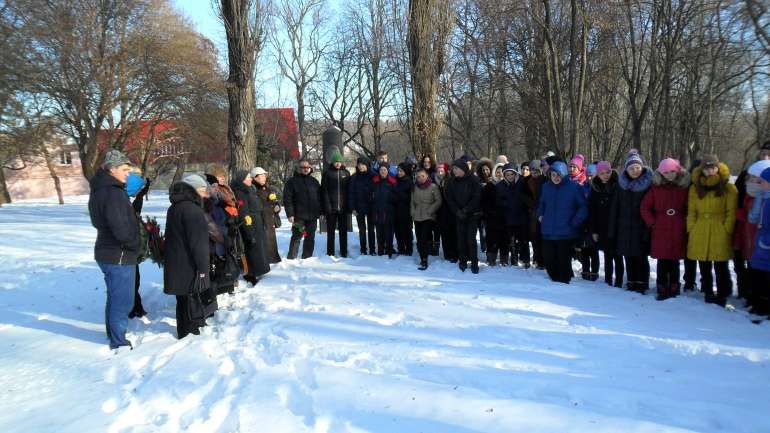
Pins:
x: 560, y: 168
x: 217, y: 170
x: 633, y: 158
x: 709, y: 161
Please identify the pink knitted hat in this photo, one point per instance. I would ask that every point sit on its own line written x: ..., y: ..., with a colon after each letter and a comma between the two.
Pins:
x: 578, y: 161
x: 669, y: 164
x: 602, y: 166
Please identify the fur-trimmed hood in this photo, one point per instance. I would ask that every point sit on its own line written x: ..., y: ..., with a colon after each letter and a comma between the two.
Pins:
x: 716, y: 183
x: 641, y: 183
x: 682, y: 179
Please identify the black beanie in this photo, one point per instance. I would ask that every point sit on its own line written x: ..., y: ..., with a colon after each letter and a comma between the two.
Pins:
x: 462, y: 164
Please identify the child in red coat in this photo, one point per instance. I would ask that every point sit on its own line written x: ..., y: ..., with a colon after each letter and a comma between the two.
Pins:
x: 664, y: 210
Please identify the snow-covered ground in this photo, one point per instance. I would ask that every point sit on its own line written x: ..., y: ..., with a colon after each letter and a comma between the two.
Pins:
x: 363, y: 344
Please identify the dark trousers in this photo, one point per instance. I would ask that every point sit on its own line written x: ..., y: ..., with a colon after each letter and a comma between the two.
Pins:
x: 668, y: 273
x: 449, y: 241
x: 689, y: 273
x: 404, y: 239
x: 185, y: 324
x: 613, y: 266
x: 483, y: 235
x: 589, y: 260
x: 466, y: 240
x: 724, y: 282
x: 495, y: 240
x: 339, y: 222
x: 365, y: 232
x: 759, y: 294
x: 742, y: 274
x: 384, y: 238
x: 516, y: 244
x: 638, y: 270
x: 557, y: 257
x: 537, y: 246
x: 308, y: 242
x: 436, y: 239
x: 424, y: 231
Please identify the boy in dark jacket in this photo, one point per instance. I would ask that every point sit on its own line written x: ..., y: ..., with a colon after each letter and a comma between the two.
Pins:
x: 334, y: 191
x: 513, y: 213
x: 360, y: 203
x: 464, y: 199
x: 403, y: 221
x: 302, y: 202
x: 117, y: 241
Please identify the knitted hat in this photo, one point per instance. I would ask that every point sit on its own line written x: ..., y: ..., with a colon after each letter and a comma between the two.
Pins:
x: 135, y: 183
x: 462, y: 164
x: 765, y: 175
x: 577, y: 161
x: 549, y: 154
x: 114, y: 158
x: 534, y: 164
x: 551, y: 159
x: 443, y: 165
x: 669, y: 164
x: 410, y: 159
x: 633, y: 158
x: 603, y: 165
x: 407, y: 167
x: 241, y: 175
x: 195, y: 180
x: 758, y: 167
x: 560, y: 168
x: 510, y: 167
x: 709, y: 161
x: 591, y: 170
x: 363, y: 160
x: 502, y: 159
x: 256, y: 171
x: 336, y: 157
x: 217, y: 170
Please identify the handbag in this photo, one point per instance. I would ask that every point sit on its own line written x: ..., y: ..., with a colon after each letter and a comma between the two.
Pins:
x: 203, y: 301
x: 277, y: 222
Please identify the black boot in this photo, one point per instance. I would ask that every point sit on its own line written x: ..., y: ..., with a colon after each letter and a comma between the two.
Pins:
x: 642, y: 287
x: 423, y: 264
x: 586, y: 276
x: 463, y: 265
x: 663, y: 292
x: 491, y: 258
x: 475, y: 266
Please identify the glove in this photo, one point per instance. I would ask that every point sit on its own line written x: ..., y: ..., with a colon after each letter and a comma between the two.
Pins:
x: 233, y: 212
x: 247, y: 219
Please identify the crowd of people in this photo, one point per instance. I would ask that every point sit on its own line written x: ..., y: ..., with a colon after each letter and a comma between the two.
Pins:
x: 541, y: 213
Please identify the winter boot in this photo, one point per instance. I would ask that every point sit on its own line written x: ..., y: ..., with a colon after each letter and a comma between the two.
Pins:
x: 586, y: 276
x: 631, y: 286
x: 491, y: 258
x: 663, y: 292
x: 593, y: 276
x: 475, y: 266
x: 423, y: 264
x: 504, y: 259
x: 674, y: 290
x: 527, y: 265
x: 463, y: 265
x: 642, y: 287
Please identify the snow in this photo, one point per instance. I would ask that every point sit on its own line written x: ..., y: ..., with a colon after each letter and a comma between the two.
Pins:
x: 364, y: 344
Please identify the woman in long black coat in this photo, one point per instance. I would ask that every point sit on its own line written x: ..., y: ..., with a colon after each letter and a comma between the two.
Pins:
x: 271, y: 207
x: 252, y: 227
x: 603, y: 188
x: 186, y: 269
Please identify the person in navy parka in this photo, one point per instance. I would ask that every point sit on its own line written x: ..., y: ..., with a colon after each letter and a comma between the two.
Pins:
x: 384, y: 209
x: 360, y: 203
x: 562, y: 210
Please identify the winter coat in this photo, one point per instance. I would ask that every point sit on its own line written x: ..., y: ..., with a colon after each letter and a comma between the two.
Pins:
x: 626, y: 227
x: 269, y: 216
x: 117, y: 230
x: 463, y: 196
x: 511, y: 203
x: 745, y: 235
x: 403, y: 194
x: 563, y: 208
x: 664, y: 210
x: 186, y: 250
x: 760, y: 258
x: 445, y: 217
x: 360, y: 193
x: 426, y: 201
x: 334, y: 190
x: 383, y: 200
x: 302, y: 197
x: 489, y: 210
x: 253, y: 233
x: 531, y: 197
x: 599, y: 210
x: 711, y: 218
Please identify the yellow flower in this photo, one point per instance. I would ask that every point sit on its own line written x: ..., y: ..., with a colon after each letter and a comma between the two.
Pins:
x: 272, y: 196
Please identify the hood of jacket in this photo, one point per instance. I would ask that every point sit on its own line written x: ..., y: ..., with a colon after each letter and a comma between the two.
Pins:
x: 103, y: 179
x: 641, y: 183
x: 180, y: 192
x: 682, y: 179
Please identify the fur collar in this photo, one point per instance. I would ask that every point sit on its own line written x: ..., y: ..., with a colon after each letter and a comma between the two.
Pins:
x: 682, y: 179
x: 641, y: 183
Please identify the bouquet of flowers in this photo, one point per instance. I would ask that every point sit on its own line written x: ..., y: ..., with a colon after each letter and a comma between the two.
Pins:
x: 156, y: 240
x: 299, y: 228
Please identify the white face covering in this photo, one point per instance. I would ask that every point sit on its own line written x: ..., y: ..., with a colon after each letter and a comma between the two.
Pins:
x: 753, y: 189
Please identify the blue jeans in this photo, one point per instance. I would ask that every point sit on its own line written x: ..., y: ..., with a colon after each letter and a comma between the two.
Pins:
x: 120, y: 300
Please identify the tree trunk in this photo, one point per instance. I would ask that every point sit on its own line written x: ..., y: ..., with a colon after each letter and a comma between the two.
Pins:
x: 5, y: 196
x: 49, y: 162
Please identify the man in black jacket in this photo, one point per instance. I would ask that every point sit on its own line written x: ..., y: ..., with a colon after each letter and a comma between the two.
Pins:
x: 117, y: 241
x: 302, y: 202
x: 360, y: 188
x: 334, y: 191
x: 464, y: 200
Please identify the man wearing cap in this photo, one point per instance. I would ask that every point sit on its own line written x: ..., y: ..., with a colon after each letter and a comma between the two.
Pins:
x: 117, y: 241
x: 334, y: 192
x: 186, y: 254
x: 464, y: 199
